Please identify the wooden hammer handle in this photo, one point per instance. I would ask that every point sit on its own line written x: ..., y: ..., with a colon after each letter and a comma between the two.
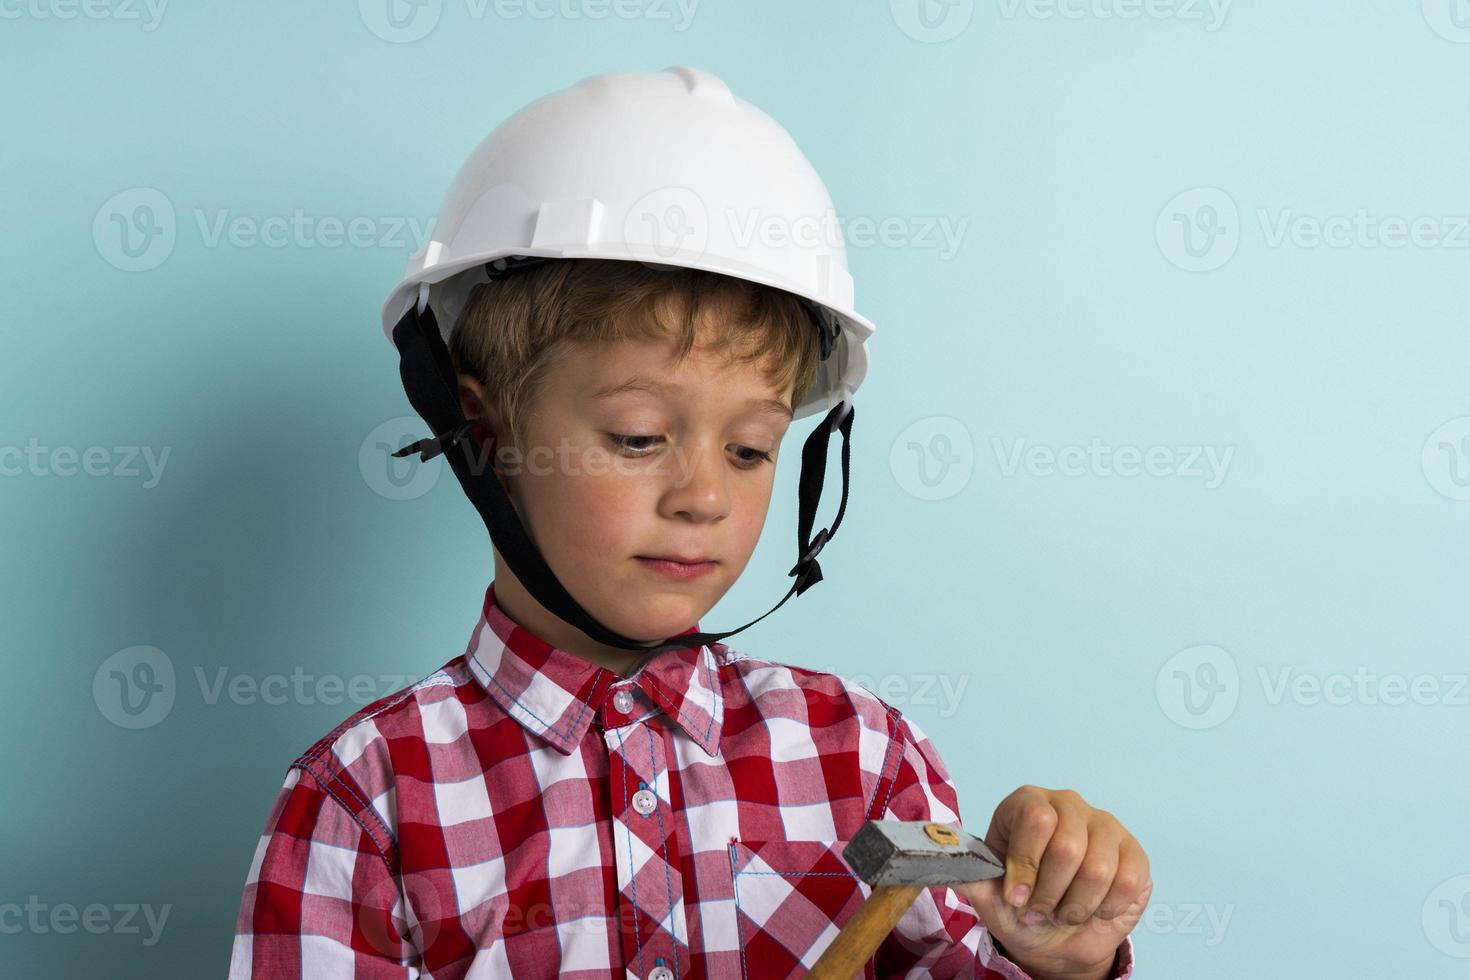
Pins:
x: 864, y: 932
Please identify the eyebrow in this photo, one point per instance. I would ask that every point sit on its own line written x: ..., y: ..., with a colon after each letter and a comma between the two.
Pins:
x: 768, y: 406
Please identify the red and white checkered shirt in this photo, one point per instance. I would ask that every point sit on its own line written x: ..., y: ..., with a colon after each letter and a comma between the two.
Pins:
x: 525, y: 813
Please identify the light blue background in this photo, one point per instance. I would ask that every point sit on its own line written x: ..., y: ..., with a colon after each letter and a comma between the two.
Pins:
x: 1287, y: 838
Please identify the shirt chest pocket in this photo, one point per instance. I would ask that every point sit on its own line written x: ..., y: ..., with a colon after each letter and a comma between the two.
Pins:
x: 791, y: 898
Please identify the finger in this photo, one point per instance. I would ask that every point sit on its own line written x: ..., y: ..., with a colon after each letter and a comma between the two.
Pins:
x: 1129, y: 882
x: 1019, y: 832
x: 1097, y: 871
x: 985, y: 898
x: 1059, y: 864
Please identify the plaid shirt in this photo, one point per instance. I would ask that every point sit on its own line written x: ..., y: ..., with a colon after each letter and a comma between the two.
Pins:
x: 525, y: 813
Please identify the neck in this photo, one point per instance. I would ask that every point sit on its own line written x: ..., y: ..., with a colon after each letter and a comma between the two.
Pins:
x: 525, y: 611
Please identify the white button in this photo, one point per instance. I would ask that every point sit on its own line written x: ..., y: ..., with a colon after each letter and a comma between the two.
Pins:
x: 645, y: 802
x: 660, y: 973
x: 623, y: 701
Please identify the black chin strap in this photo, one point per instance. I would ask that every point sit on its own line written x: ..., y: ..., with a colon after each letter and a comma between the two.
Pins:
x: 432, y: 386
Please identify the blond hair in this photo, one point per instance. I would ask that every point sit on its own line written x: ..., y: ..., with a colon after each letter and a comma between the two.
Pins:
x: 511, y: 331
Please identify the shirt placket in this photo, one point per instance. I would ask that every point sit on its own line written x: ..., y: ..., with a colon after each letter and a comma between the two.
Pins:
x: 650, y: 886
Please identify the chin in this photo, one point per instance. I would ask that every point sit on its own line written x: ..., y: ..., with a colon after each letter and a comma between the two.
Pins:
x: 660, y: 616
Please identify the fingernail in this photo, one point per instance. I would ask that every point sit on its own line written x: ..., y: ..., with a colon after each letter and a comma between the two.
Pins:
x: 1019, y: 894
x: 1033, y: 917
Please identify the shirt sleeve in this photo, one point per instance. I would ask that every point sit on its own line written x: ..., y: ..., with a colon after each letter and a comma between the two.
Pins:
x: 941, y: 936
x: 319, y: 898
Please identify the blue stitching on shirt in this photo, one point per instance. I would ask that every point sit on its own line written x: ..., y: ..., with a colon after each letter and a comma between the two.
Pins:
x: 387, y: 864
x: 800, y: 874
x: 893, y: 743
x: 735, y: 892
x: 632, y: 871
x: 563, y: 738
x: 546, y: 815
x: 663, y: 846
x: 312, y: 760
x: 714, y: 692
x: 735, y: 874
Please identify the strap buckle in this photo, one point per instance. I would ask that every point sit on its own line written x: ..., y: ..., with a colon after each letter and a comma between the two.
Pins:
x: 434, y: 445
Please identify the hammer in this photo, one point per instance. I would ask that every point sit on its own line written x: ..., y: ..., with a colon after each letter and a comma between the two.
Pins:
x: 899, y: 859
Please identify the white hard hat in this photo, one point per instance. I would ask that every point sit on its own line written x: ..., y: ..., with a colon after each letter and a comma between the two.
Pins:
x: 663, y: 167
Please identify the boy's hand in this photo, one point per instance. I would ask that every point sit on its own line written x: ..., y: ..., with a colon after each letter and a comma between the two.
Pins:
x: 1074, y: 871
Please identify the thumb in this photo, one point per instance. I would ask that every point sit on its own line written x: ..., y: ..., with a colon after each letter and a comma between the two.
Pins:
x: 1022, y: 862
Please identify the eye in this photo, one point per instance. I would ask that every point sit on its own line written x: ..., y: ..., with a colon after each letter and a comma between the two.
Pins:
x: 756, y: 459
x: 635, y: 446
x: 626, y: 442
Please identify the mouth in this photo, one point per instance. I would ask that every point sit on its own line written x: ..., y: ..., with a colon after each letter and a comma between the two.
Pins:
x: 679, y: 568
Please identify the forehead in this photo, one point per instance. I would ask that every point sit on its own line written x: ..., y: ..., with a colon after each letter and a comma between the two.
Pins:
x: 630, y: 369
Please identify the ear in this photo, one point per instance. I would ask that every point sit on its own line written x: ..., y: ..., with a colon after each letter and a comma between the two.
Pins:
x: 474, y: 401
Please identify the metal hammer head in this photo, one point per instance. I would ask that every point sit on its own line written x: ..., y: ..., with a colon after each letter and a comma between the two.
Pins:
x: 919, y: 852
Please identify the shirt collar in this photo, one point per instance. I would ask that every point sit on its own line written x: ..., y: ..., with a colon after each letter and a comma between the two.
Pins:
x: 556, y: 694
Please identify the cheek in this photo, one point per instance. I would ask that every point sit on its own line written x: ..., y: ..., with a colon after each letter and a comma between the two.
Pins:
x: 588, y: 517
x: 748, y: 513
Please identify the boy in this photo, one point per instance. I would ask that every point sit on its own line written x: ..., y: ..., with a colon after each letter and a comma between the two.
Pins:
x: 596, y: 788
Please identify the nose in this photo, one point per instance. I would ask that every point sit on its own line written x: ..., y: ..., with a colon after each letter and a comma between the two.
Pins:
x: 697, y: 489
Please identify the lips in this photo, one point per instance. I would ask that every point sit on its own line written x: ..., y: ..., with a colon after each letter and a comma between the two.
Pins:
x: 677, y: 569
x: 678, y: 558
